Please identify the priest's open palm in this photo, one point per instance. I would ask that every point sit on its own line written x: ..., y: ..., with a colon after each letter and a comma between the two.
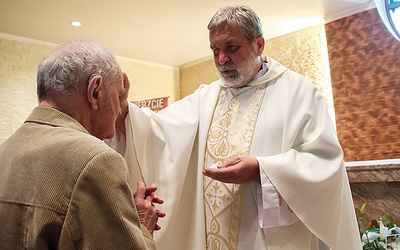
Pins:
x: 238, y: 169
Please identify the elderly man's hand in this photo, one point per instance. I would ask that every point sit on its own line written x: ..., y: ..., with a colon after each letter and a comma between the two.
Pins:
x: 144, y: 201
x: 238, y: 169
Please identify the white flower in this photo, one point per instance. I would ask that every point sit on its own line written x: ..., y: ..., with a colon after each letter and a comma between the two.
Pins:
x: 383, y: 231
x: 394, y: 230
x: 394, y: 236
x: 369, y: 237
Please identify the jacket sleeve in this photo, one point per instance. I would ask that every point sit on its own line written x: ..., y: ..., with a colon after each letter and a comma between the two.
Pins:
x: 102, y: 213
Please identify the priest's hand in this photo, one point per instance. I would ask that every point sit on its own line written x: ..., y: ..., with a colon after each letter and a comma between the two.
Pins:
x: 238, y: 169
x: 144, y: 201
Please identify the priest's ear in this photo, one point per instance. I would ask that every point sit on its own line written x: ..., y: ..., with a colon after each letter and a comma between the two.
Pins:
x: 93, y: 90
x: 260, y: 43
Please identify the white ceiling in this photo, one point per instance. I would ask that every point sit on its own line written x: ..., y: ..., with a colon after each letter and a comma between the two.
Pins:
x: 171, y: 33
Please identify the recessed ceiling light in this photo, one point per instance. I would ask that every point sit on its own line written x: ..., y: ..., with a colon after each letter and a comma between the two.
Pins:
x: 76, y: 23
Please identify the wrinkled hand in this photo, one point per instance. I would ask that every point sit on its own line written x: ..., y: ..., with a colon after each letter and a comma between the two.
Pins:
x: 238, y: 169
x: 144, y: 201
x: 150, y: 191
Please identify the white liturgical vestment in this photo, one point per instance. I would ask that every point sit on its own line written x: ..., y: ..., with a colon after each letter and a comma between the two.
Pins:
x: 304, y: 196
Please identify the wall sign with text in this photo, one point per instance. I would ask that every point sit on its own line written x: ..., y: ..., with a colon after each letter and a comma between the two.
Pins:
x: 155, y: 104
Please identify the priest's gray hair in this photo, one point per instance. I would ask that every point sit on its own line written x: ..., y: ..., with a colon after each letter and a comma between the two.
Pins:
x: 242, y: 16
x: 75, y: 63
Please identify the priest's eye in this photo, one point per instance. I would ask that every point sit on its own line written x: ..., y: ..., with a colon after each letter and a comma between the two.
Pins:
x: 215, y: 52
x: 233, y: 48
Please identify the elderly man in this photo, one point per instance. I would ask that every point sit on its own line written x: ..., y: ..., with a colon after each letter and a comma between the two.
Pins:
x: 250, y: 161
x: 61, y: 186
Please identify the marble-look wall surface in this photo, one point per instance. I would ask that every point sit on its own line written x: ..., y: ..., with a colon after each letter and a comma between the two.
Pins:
x: 378, y: 185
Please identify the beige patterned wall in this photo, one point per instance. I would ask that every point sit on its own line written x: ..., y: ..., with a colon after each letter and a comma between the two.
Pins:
x: 151, y: 81
x: 195, y: 75
x: 18, y: 66
x: 305, y: 52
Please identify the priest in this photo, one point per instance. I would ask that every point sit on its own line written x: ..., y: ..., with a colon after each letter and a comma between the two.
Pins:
x: 250, y: 161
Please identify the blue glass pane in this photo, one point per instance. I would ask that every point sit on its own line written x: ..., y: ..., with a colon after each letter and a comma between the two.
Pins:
x: 395, y: 16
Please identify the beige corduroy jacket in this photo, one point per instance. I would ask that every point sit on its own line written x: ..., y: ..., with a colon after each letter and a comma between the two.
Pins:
x: 61, y: 188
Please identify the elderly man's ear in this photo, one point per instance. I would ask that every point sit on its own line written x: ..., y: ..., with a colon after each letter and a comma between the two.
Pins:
x: 123, y: 101
x: 123, y: 96
x: 125, y: 90
x: 93, y: 91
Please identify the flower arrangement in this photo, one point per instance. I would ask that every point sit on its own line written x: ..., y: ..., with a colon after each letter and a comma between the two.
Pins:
x: 378, y: 236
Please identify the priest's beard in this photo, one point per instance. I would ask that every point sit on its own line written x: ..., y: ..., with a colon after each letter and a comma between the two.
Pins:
x: 240, y: 76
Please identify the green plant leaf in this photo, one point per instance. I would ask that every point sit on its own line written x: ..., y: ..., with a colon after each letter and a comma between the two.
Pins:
x: 388, y: 218
x: 362, y: 209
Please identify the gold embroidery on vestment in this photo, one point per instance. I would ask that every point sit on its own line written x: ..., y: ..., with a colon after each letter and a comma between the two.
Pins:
x: 230, y: 134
